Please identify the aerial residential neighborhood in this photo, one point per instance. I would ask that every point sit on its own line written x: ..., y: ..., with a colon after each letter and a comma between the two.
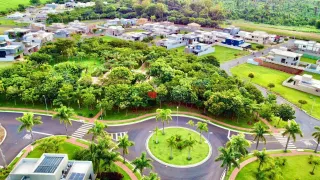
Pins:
x: 159, y: 90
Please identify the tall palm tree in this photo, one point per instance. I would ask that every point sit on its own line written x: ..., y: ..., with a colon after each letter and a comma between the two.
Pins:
x: 141, y: 163
x: 201, y: 126
x: 98, y: 130
x: 316, y: 135
x: 190, y: 123
x: 259, y: 130
x: 156, y: 130
x: 64, y: 114
x: 291, y: 130
x: 164, y: 115
x: 228, y: 158
x: 262, y: 158
x: 108, y: 158
x: 125, y: 143
x: 28, y: 122
x: 239, y: 144
x: 189, y: 144
x: 152, y: 176
x: 171, y: 144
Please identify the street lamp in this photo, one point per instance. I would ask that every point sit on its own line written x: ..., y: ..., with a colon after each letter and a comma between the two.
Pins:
x: 45, y: 100
x: 177, y: 115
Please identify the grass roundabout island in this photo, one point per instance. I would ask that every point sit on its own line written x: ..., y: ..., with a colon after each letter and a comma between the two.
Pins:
x: 178, y: 147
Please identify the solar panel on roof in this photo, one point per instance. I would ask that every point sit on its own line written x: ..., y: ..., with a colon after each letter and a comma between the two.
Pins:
x: 48, y: 165
x: 77, y: 176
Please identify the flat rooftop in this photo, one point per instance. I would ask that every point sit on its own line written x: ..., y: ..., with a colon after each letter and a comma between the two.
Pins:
x: 285, y: 53
x: 25, y: 166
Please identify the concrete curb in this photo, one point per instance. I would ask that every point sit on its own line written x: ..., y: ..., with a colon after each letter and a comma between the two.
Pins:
x: 179, y: 166
x: 5, y: 134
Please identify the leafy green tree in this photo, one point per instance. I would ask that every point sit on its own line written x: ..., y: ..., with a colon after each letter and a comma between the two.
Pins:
x: 189, y: 143
x: 259, y: 130
x: 152, y: 176
x: 316, y: 135
x: 238, y: 143
x: 141, y: 163
x: 28, y: 121
x: 41, y: 58
x: 171, y: 144
x: 191, y: 123
x: 202, y: 127
x: 120, y: 75
x: 35, y: 2
x: 164, y: 115
x: 228, y: 158
x: 51, y: 145
x: 291, y: 130
x: 162, y: 93
x: 156, y: 131
x: 125, y: 143
x: 64, y: 114
x: 315, y: 163
x: 318, y: 24
x: 262, y: 157
x: 271, y: 85
x: 98, y: 8
x: 285, y: 112
x: 108, y: 159
x: 30, y: 95
x: 251, y: 76
x: 98, y: 130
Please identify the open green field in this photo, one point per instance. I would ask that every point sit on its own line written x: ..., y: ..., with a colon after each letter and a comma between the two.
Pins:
x: 309, y: 33
x: 224, y: 54
x: 108, y: 38
x: 264, y: 76
x: 308, y: 60
x: 297, y: 167
x: 5, y: 4
x: 161, y: 150
x: 91, y: 64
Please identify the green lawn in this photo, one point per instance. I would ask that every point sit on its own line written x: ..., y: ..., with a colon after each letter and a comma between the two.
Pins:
x: 297, y: 168
x: 5, y: 64
x: 264, y: 76
x: 115, y: 168
x: 5, y: 4
x: 92, y: 63
x: 162, y: 151
x: 308, y: 60
x: 66, y: 148
x: 224, y: 54
x: 108, y: 38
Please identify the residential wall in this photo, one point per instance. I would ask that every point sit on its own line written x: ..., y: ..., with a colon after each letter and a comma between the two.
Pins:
x: 280, y: 67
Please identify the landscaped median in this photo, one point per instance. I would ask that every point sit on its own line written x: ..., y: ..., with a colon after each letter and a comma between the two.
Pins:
x: 293, y: 165
x: 178, y: 147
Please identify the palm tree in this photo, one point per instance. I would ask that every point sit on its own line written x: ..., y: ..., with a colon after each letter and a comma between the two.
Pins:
x: 201, y: 126
x: 156, y: 130
x: 190, y: 123
x: 315, y: 163
x: 189, y: 144
x: 262, y: 158
x: 316, y: 135
x: 125, y: 143
x: 152, y: 176
x: 108, y: 158
x: 164, y: 115
x: 98, y: 130
x: 171, y: 143
x: 239, y: 144
x: 228, y: 157
x: 64, y: 114
x: 28, y: 121
x: 258, y: 132
x: 291, y: 130
x: 141, y: 163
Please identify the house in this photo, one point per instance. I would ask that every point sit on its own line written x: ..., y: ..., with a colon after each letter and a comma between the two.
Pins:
x: 16, y: 16
x: 199, y: 49
x: 115, y: 30
x: 285, y: 57
x: 6, y: 38
x: 39, y: 38
x: 259, y: 37
x: 17, y: 33
x: 9, y: 52
x: 128, y: 22
x: 238, y: 42
x: 56, y: 26
x: 82, y: 27
x: 61, y: 33
x: 209, y: 37
x: 70, y: 4
x: 172, y: 41
x: 52, y: 167
x: 135, y: 36
x: 304, y: 83
x: 41, y: 17
x: 194, y: 26
x: 31, y: 9
x: 142, y: 21
x: 231, y: 30
x: 160, y: 30
x: 307, y: 46
x: 37, y: 27
x: 191, y: 38
x: 113, y: 22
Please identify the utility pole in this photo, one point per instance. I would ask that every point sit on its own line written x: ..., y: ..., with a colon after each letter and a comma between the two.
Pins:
x: 45, y: 100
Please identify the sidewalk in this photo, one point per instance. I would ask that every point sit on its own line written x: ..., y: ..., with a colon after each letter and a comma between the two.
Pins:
x: 250, y: 160
x: 118, y: 163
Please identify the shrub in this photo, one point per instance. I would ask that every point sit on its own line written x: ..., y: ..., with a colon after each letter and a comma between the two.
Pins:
x: 110, y: 175
x: 91, y: 115
x: 260, y: 46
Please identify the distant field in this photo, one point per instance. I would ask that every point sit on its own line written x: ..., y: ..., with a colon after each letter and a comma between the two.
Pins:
x: 5, y: 4
x: 224, y: 54
x: 298, y: 32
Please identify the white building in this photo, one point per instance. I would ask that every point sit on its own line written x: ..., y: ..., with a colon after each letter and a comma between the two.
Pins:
x: 38, y: 38
x: 83, y: 28
x: 258, y: 37
x: 285, y: 57
x: 304, y: 83
x: 172, y: 41
x: 16, y: 16
x: 135, y: 36
x: 115, y: 30
x: 308, y: 46
x: 199, y: 49
x: 52, y: 167
x: 10, y: 52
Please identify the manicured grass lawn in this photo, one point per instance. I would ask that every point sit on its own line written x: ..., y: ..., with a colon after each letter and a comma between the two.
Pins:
x: 308, y: 60
x: 66, y: 148
x: 108, y: 38
x: 264, y: 76
x: 5, y: 4
x: 92, y: 63
x: 162, y: 151
x: 5, y: 64
x: 297, y: 168
x: 224, y: 54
